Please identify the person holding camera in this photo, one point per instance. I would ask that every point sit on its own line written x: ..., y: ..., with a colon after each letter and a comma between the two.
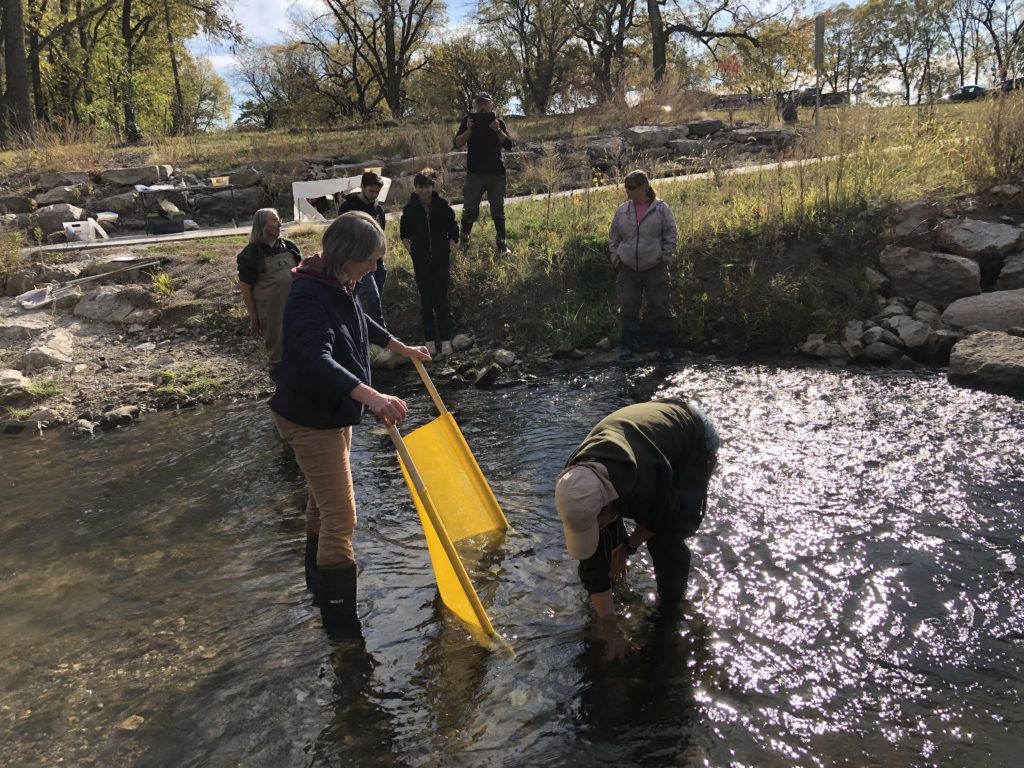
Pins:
x: 484, y: 136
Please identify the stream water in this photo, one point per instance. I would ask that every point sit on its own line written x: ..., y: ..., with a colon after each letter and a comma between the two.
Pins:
x: 857, y: 592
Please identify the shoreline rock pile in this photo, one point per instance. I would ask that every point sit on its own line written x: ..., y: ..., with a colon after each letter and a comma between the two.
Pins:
x: 951, y: 292
x: 66, y: 196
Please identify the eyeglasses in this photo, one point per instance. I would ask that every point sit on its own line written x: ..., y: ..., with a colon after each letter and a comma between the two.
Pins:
x: 631, y: 187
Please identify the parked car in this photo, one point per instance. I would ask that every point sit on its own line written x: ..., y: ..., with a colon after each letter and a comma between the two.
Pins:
x: 808, y: 97
x: 1012, y: 84
x: 733, y: 101
x: 966, y: 93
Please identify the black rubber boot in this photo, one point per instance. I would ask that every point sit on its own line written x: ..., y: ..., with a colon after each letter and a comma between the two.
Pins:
x: 465, y: 228
x: 338, y: 602
x: 626, y: 345
x: 665, y: 353
x: 312, y: 585
x: 500, y: 238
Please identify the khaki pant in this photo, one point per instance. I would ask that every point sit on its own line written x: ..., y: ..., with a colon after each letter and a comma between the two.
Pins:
x: 656, y: 286
x: 323, y: 456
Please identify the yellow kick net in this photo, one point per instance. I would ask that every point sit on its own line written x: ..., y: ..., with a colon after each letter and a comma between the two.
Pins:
x: 454, y: 503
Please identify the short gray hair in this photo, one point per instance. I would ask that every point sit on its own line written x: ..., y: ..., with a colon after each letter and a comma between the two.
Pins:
x: 259, y: 224
x: 353, y: 236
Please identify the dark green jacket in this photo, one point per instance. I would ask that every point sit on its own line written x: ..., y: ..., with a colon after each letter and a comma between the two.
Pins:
x: 250, y: 259
x: 657, y: 459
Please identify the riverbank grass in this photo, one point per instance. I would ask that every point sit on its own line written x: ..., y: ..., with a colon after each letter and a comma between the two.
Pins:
x: 194, y: 383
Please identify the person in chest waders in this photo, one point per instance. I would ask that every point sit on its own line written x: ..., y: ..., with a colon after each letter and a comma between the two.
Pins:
x: 264, y: 276
x: 649, y: 463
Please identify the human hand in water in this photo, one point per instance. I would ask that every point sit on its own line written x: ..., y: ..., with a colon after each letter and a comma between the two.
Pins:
x: 617, y: 644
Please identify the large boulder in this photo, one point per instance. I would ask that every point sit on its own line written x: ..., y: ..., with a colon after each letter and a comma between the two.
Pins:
x: 607, y: 148
x: 912, y: 222
x: 688, y: 147
x: 700, y: 128
x: 1011, y: 276
x: 53, y: 350
x: 239, y: 204
x: 880, y: 352
x: 25, y: 326
x: 127, y: 177
x: 995, y: 311
x: 913, y: 333
x: 65, y: 194
x: 937, y: 278
x: 879, y: 335
x: 126, y: 203
x: 15, y: 204
x: 246, y: 177
x: 989, y: 360
x: 984, y: 241
x: 116, y: 304
x: 51, y: 218
x: 13, y: 387
x: 651, y: 136
x: 63, y: 178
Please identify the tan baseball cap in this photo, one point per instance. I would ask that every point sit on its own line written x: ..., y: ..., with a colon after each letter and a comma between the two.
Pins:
x: 581, y: 492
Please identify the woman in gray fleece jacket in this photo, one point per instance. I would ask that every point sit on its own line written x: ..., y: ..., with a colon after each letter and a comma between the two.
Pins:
x: 643, y: 241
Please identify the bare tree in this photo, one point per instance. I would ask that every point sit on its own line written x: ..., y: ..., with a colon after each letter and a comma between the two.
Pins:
x: 604, y: 26
x: 700, y: 20
x: 388, y: 36
x: 1003, y: 20
x: 540, y: 33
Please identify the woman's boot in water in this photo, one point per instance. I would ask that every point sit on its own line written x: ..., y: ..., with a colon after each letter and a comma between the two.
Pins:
x: 312, y: 542
x: 338, y: 602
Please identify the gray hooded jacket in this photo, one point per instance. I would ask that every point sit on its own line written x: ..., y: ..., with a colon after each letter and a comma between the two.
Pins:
x: 644, y: 245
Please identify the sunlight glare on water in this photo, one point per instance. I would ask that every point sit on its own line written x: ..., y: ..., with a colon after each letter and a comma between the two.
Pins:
x: 856, y: 591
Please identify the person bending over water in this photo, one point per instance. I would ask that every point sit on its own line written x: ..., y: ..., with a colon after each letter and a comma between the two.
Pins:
x: 650, y: 463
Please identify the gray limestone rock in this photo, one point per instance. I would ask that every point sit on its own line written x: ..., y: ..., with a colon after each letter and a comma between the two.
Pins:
x: 989, y: 360
x: 65, y: 194
x: 54, y: 349
x: 879, y: 335
x: 937, y: 278
x: 985, y: 242
x: 119, y: 417
x: 125, y: 203
x: 26, y: 326
x: 127, y: 177
x: 880, y: 352
x: 651, y: 136
x: 698, y: 129
x: 1011, y: 276
x: 13, y: 387
x: 995, y: 311
x: 51, y: 218
x: 63, y: 178
x: 116, y: 304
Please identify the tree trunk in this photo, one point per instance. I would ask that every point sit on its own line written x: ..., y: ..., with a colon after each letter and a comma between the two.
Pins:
x: 178, y: 108
x: 133, y: 134
x: 659, y: 41
x: 17, y: 102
